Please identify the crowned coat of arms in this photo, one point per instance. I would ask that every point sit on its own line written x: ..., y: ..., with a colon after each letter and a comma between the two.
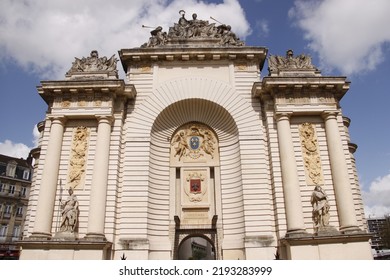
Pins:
x: 193, y: 142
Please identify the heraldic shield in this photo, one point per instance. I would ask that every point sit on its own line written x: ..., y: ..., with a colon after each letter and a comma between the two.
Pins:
x: 194, y: 143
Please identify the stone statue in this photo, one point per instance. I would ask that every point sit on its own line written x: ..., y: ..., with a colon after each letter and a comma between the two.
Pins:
x: 70, y: 213
x: 193, y: 31
x: 158, y: 37
x: 227, y: 36
x: 93, y: 63
x: 320, y: 204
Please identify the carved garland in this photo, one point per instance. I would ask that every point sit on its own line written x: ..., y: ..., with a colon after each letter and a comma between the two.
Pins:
x: 78, y: 156
x: 310, y: 153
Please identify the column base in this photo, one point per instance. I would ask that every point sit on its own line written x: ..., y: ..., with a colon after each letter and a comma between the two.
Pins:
x: 40, y: 236
x: 93, y: 236
x: 65, y: 235
x: 297, y: 233
x: 350, y: 230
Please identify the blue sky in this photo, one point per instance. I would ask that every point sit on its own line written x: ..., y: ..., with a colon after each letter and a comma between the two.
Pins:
x: 40, y: 38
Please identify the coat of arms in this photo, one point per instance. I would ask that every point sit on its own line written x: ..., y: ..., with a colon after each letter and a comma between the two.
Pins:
x: 195, y: 188
x: 193, y: 142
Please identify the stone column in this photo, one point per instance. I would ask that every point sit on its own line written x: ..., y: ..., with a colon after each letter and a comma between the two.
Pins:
x: 292, y: 195
x: 340, y: 176
x: 47, y: 190
x: 97, y: 207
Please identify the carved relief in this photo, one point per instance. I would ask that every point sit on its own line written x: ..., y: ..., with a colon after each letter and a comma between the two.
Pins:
x: 78, y: 156
x: 193, y: 142
x: 310, y: 153
x: 195, y: 189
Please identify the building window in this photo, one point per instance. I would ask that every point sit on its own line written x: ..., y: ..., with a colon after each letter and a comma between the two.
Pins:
x: 26, y: 174
x: 3, y: 230
x: 19, y: 211
x: 11, y: 189
x: 11, y: 169
x: 16, y: 232
x: 7, y: 209
x: 23, y: 191
x: 2, y: 187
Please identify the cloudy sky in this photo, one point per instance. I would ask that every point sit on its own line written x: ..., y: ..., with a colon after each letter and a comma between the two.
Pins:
x: 40, y: 38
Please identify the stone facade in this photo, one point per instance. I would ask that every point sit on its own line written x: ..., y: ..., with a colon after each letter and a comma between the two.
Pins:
x: 193, y: 143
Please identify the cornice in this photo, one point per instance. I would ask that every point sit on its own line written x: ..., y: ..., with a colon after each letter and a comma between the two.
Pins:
x: 181, y: 53
x: 272, y: 86
x: 49, y: 90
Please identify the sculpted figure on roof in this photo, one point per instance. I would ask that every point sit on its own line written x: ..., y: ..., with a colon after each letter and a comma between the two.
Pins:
x: 187, y: 30
x: 302, y: 61
x: 93, y: 63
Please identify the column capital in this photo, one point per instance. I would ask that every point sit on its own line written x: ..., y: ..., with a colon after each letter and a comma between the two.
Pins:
x: 279, y: 116
x: 105, y: 118
x: 59, y: 119
x: 329, y: 114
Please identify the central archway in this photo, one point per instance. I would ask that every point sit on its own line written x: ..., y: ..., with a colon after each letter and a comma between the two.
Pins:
x: 196, y: 247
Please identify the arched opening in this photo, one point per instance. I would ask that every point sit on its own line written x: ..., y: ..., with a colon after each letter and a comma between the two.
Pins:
x: 196, y: 247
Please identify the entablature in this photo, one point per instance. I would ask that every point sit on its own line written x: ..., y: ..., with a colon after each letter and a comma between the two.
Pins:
x: 85, y: 98
x: 50, y: 90
x: 135, y: 56
x: 297, y: 87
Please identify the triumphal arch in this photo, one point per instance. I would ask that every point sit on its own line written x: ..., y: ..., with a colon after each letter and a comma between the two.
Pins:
x: 195, y: 155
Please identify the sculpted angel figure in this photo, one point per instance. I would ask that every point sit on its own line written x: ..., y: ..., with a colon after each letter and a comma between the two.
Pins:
x: 181, y: 145
x: 208, y: 143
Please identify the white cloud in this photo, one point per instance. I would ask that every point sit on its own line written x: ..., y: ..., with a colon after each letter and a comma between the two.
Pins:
x: 377, y: 198
x: 17, y: 150
x: 44, y: 36
x: 349, y: 35
x: 262, y: 28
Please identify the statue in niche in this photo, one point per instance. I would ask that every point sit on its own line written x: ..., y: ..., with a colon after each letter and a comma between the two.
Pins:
x: 69, y: 213
x: 320, y: 204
